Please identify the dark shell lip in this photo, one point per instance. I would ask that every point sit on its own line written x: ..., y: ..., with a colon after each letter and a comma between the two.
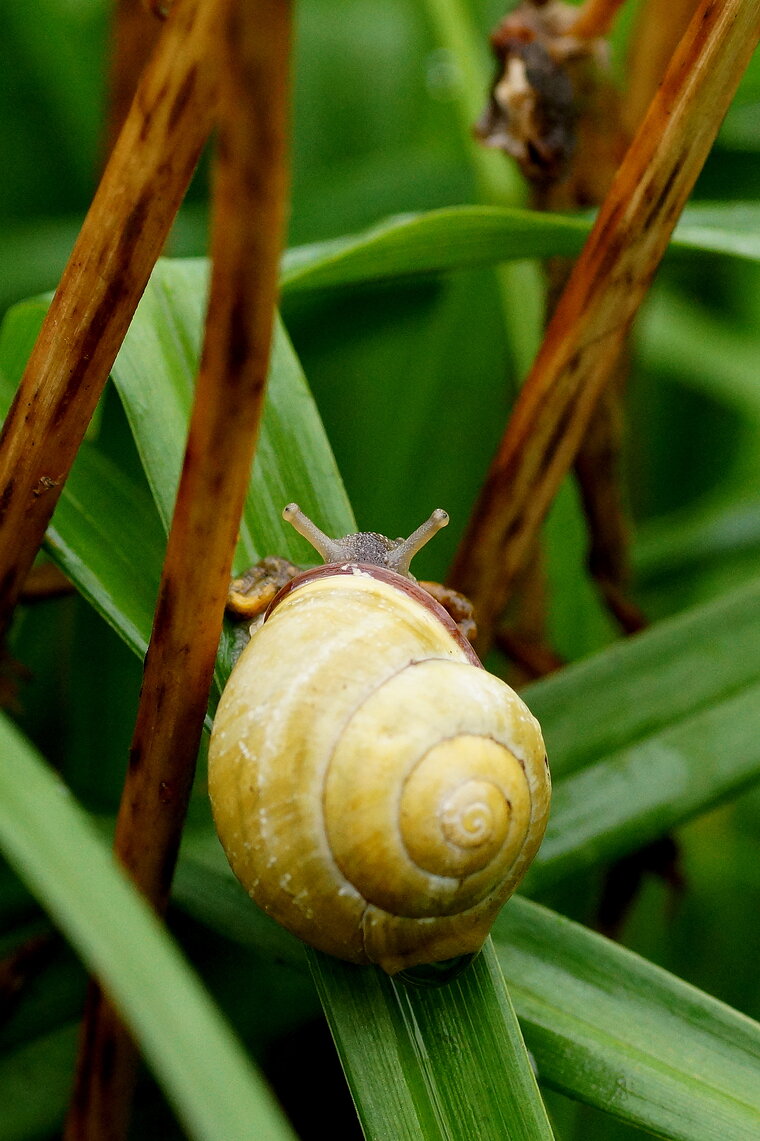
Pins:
x: 406, y: 585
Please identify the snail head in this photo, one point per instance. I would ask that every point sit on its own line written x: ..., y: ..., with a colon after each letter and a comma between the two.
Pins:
x: 366, y: 546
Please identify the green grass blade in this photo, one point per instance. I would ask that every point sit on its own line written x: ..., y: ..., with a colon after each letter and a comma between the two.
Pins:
x: 671, y: 726
x: 623, y: 802
x: 452, y: 238
x: 597, y: 1018
x: 611, y: 1029
x: 432, y: 1062
x: 105, y: 533
x: 154, y: 373
x: 106, y: 536
x: 459, y: 237
x: 55, y: 849
x: 639, y: 687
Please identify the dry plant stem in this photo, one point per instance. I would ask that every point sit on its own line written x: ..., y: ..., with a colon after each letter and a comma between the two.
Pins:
x: 114, y: 254
x: 658, y: 28
x: 605, y: 289
x: 250, y: 185
x: 595, y: 18
x: 134, y: 34
x: 597, y: 469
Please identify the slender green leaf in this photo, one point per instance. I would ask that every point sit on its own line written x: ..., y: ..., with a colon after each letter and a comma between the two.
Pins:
x: 432, y: 1062
x: 154, y: 374
x: 451, y: 238
x: 105, y: 533
x: 497, y: 177
x: 670, y: 727
x: 106, y: 536
x: 53, y: 846
x: 611, y: 1029
x: 599, y: 1020
x: 457, y: 237
x: 638, y: 688
x: 642, y: 792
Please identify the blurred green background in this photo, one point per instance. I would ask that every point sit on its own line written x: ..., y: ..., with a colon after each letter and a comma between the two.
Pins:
x: 414, y: 382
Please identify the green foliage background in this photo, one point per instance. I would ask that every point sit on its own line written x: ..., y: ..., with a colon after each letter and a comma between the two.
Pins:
x: 413, y: 378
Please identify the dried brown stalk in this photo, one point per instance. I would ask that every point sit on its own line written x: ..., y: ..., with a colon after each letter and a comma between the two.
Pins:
x: 598, y: 471
x: 658, y: 28
x: 605, y: 289
x: 134, y: 35
x: 595, y: 18
x: 106, y: 274
x: 554, y: 106
x: 253, y: 52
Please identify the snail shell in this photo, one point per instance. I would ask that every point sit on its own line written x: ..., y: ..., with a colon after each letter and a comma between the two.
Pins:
x: 375, y: 789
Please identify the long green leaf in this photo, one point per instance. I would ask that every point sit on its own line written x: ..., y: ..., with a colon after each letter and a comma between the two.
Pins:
x: 597, y: 1018
x: 105, y: 533
x: 611, y: 1029
x: 432, y: 1062
x: 670, y: 727
x: 458, y: 237
x: 56, y: 850
x: 639, y: 687
x: 642, y: 792
x: 154, y: 373
x: 455, y: 237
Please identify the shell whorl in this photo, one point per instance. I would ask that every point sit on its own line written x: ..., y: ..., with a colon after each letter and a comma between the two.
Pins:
x: 438, y: 818
x: 375, y: 791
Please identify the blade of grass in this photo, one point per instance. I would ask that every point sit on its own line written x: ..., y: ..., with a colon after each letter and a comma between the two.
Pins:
x: 597, y: 1018
x: 642, y: 792
x: 154, y: 374
x: 105, y: 533
x: 120, y: 240
x: 460, y: 237
x: 613, y: 1030
x: 605, y: 289
x: 637, y: 689
x: 497, y: 179
x: 441, y: 1062
x: 250, y: 47
x: 56, y: 850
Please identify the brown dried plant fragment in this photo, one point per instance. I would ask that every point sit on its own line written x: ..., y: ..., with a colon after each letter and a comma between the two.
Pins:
x: 134, y: 34
x: 121, y: 237
x: 550, y: 104
x: 599, y: 141
x: 249, y: 41
x: 605, y: 289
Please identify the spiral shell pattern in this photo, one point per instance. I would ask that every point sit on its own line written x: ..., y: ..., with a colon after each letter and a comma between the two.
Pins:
x: 376, y: 792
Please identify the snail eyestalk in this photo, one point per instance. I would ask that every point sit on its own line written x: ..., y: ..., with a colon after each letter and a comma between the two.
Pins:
x: 366, y: 546
x: 400, y: 558
x: 329, y: 549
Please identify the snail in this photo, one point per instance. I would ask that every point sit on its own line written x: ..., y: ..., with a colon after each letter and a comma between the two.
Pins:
x: 375, y: 789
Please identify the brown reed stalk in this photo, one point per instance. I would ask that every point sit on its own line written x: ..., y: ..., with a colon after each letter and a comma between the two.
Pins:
x: 134, y: 34
x: 595, y: 18
x: 252, y: 49
x: 605, y: 289
x: 658, y: 27
x: 121, y: 237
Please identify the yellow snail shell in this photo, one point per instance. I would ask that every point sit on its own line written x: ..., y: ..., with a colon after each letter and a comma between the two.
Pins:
x: 376, y: 791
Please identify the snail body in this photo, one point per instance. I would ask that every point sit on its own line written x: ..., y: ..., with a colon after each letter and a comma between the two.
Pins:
x: 375, y: 789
